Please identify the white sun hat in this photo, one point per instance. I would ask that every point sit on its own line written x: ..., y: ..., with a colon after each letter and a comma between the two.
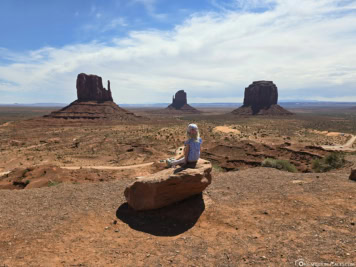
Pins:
x: 191, y: 127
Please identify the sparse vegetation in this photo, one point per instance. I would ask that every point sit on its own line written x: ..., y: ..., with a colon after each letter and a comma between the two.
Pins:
x: 53, y: 183
x: 334, y: 160
x: 217, y: 168
x: 25, y: 171
x: 279, y: 164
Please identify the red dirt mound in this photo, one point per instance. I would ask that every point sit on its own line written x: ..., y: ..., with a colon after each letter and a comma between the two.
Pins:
x: 33, y: 177
x: 185, y: 108
x: 51, y: 175
x: 272, y: 110
x: 93, y: 110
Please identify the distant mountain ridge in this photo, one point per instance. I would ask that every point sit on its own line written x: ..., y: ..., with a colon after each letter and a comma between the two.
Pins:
x: 35, y: 105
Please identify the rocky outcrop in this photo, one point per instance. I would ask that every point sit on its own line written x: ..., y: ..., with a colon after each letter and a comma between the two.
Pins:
x: 94, y: 102
x: 261, y: 99
x: 16, y: 143
x: 179, y: 100
x: 90, y: 88
x: 168, y: 186
x: 353, y: 175
x: 180, y: 103
x: 261, y: 94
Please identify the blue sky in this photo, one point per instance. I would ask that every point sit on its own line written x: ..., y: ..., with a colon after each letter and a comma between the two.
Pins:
x: 30, y: 25
x: 149, y: 49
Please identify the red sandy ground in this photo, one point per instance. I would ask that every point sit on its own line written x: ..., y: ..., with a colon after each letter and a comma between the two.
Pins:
x: 259, y: 216
x: 254, y: 216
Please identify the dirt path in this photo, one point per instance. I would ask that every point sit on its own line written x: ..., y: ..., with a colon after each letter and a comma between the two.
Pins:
x: 98, y: 167
x: 351, y: 141
x: 347, y: 147
x: 107, y: 167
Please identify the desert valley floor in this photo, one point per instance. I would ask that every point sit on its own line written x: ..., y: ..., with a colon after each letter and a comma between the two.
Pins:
x: 62, y: 183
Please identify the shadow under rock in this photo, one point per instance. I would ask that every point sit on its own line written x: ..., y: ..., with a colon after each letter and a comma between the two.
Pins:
x: 168, y: 221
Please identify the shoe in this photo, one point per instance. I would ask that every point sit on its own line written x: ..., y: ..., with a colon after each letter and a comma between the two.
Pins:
x: 169, y: 163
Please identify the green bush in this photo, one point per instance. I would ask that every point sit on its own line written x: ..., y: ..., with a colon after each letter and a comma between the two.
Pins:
x: 334, y: 160
x: 279, y: 164
x: 53, y: 183
x: 217, y: 168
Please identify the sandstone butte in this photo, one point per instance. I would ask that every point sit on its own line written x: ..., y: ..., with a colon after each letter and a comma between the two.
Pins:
x: 94, y: 102
x: 180, y: 103
x: 168, y: 186
x: 90, y: 88
x: 261, y: 98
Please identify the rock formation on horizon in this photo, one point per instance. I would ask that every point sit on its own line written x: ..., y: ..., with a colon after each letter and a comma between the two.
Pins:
x: 180, y: 103
x: 94, y: 102
x: 261, y: 98
x: 90, y: 88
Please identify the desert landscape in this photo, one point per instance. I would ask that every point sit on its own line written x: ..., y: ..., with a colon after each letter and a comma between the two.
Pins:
x: 63, y: 179
x: 214, y: 133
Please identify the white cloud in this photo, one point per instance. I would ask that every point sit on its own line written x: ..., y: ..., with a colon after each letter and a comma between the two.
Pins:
x: 105, y: 25
x: 306, y: 47
x: 113, y: 24
x: 150, y: 6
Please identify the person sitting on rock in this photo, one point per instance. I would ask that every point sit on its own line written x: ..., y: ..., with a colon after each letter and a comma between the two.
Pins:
x: 191, y: 150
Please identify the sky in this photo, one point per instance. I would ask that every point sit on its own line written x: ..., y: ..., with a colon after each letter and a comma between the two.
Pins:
x: 149, y: 49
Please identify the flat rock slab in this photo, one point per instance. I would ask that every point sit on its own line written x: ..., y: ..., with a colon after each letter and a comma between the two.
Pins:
x: 168, y: 186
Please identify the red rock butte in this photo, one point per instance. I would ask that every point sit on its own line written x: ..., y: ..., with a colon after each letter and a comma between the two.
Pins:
x: 180, y: 103
x: 261, y: 98
x: 94, y: 102
x: 90, y: 88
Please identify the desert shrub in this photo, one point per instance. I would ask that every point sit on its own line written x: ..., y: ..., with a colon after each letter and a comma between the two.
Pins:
x: 279, y: 164
x: 217, y: 168
x: 53, y: 183
x: 334, y: 160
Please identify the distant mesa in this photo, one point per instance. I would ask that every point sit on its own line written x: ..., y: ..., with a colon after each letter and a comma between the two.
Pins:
x: 94, y: 102
x: 261, y: 98
x: 179, y: 103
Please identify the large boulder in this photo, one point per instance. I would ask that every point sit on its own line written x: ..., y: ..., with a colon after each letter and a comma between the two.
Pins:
x: 168, y: 186
x: 90, y: 88
x: 261, y: 98
x: 353, y: 175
